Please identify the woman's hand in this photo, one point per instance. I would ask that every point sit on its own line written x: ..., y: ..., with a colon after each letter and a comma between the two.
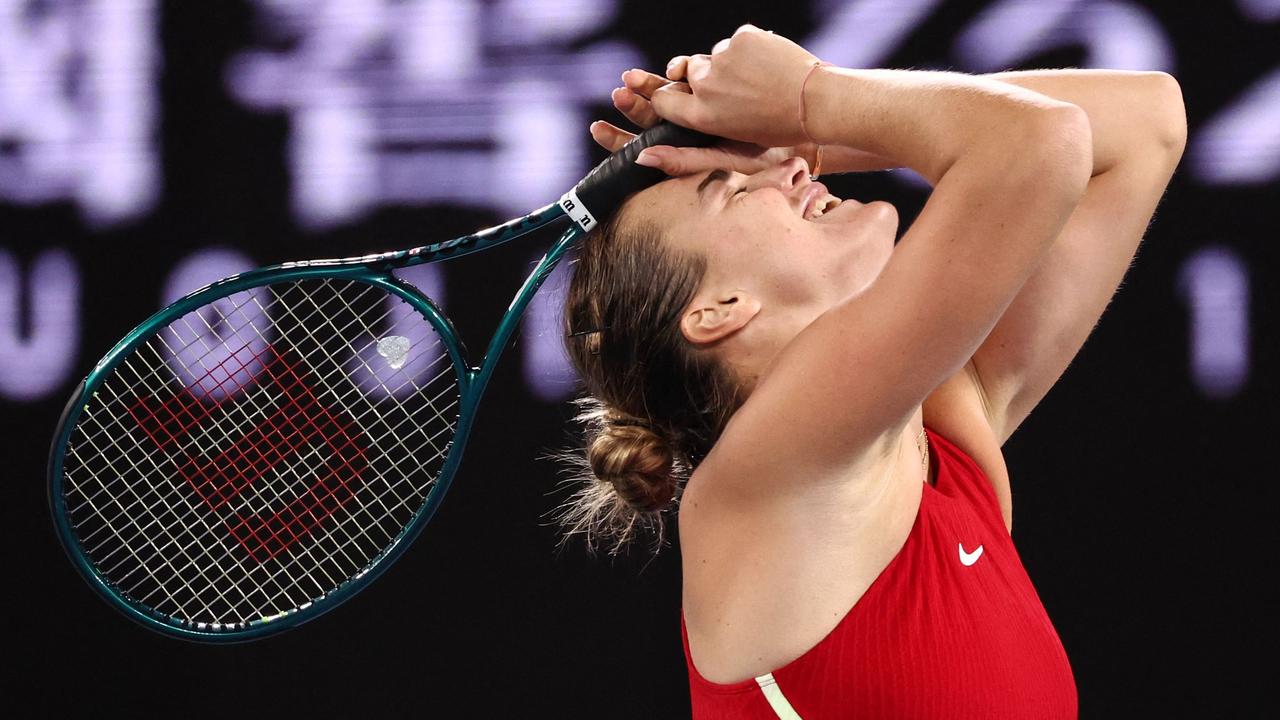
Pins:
x: 747, y: 89
x: 632, y: 100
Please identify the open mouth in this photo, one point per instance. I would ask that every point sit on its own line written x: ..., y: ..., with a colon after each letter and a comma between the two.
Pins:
x: 820, y: 205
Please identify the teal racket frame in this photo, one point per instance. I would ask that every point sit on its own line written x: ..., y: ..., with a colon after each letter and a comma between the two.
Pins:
x: 372, y: 270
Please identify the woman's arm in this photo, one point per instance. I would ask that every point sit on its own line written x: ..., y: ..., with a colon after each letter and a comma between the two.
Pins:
x: 1126, y: 111
x: 1139, y: 131
x: 1130, y: 113
x: 1122, y: 107
x: 1010, y: 166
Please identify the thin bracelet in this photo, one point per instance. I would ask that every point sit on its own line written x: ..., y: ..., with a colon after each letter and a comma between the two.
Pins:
x: 804, y: 83
x: 817, y: 155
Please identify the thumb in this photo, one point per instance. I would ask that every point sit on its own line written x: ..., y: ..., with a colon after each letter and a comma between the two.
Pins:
x: 679, y: 161
x: 672, y: 103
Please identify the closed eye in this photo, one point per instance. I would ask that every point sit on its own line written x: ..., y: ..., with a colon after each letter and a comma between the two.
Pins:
x: 735, y: 194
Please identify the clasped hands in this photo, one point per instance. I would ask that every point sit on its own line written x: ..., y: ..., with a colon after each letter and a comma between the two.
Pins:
x: 746, y: 91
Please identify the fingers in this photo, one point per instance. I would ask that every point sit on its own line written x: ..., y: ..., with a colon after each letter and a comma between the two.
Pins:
x: 676, y: 68
x: 677, y: 161
x: 609, y: 136
x: 644, y: 84
x: 697, y: 68
x: 636, y: 108
x: 674, y: 102
x: 663, y: 157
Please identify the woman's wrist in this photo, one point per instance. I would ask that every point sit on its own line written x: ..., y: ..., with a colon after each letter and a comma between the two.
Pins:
x: 804, y: 83
x: 833, y: 157
x: 810, y: 97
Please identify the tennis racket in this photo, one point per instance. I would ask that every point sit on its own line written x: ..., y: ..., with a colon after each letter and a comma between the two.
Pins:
x: 259, y: 451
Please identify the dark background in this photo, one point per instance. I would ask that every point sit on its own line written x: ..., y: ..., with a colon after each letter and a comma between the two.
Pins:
x: 1144, y: 503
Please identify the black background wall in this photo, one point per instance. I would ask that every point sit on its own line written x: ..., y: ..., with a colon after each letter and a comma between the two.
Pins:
x: 1143, y: 484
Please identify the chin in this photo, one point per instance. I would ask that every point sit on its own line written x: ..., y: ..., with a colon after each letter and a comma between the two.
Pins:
x: 885, y: 212
x: 876, y: 217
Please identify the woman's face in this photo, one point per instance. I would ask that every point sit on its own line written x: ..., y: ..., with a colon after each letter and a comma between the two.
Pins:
x: 775, y: 235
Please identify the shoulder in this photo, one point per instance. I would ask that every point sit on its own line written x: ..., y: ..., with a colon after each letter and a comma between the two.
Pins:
x: 957, y: 410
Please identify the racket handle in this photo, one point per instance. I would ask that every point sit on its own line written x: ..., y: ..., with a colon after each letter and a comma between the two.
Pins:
x: 603, y: 190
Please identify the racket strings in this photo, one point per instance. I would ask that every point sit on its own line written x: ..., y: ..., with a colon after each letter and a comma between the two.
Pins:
x: 257, y: 454
x: 160, y: 360
x: 190, y: 563
x: 441, y: 357
x: 153, y: 368
x: 379, y: 499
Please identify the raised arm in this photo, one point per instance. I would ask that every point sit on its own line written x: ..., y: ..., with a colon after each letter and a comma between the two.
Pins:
x: 1009, y: 167
x: 1139, y: 131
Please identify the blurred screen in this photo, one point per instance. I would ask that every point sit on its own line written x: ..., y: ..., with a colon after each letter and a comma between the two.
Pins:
x: 148, y: 148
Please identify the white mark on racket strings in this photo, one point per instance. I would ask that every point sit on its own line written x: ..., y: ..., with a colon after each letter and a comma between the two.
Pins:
x: 395, y: 348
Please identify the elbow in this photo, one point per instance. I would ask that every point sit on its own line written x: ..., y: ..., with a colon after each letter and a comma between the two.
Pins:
x: 1169, y: 113
x: 1064, y: 161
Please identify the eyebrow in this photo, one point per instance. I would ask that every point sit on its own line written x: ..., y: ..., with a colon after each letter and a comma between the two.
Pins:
x: 718, y: 174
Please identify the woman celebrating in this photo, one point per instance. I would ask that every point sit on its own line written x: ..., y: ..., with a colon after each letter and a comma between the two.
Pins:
x: 830, y: 408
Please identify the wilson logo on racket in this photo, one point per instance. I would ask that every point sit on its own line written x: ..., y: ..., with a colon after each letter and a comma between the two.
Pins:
x: 577, y: 211
x: 299, y: 424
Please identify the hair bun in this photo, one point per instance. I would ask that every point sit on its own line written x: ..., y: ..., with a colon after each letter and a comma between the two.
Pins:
x: 637, y: 461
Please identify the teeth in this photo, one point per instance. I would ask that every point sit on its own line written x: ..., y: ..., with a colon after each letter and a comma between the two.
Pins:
x: 823, y: 205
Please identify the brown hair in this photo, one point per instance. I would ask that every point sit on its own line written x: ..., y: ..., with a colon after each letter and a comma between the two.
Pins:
x: 654, y: 403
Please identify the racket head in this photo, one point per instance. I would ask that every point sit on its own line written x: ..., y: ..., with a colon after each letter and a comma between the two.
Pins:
x: 227, y: 472
x: 165, y: 418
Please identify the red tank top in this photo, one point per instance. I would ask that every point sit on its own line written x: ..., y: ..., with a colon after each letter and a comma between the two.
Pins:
x: 951, y: 628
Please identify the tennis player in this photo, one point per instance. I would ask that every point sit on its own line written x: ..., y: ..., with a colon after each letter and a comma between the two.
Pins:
x: 829, y: 408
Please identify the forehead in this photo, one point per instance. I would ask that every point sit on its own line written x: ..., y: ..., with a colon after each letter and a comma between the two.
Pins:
x: 671, y: 198
x: 673, y: 208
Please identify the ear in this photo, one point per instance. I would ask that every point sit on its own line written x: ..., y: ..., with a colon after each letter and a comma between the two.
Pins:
x: 714, y: 317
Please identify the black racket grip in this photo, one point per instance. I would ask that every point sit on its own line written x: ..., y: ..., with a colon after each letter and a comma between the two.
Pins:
x: 603, y: 190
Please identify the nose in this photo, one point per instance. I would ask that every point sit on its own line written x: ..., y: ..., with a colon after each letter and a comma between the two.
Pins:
x: 785, y: 176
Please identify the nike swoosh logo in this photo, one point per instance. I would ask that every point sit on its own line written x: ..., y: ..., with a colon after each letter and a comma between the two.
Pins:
x: 968, y: 559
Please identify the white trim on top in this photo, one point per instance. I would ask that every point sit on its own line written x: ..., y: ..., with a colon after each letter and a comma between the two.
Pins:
x: 776, y: 699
